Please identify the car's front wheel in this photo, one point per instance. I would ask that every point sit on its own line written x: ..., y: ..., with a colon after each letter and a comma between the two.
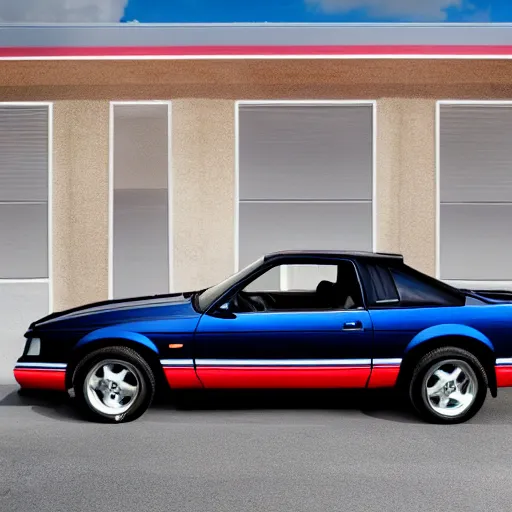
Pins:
x: 448, y: 385
x: 113, y: 384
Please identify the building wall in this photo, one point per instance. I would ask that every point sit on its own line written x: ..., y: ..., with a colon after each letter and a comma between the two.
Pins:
x: 203, y: 148
x: 255, y: 79
x: 80, y: 202
x: 203, y: 96
x: 203, y: 192
x: 406, y: 180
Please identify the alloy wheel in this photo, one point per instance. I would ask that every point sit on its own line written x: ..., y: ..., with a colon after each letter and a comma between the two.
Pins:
x: 112, y: 386
x: 450, y: 387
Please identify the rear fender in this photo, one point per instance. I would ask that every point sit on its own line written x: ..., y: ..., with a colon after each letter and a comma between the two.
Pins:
x: 458, y: 335
x: 447, y: 330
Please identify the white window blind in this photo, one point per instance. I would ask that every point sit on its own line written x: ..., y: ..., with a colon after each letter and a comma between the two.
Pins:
x: 141, y: 213
x: 24, y: 192
x: 305, y: 179
x: 475, y: 192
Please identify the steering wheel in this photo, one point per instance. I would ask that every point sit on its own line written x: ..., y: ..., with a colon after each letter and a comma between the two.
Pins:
x: 242, y: 303
x: 268, y: 301
x: 263, y: 301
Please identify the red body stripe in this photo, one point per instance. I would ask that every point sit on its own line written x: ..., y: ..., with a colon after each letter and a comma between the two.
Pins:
x: 504, y: 376
x: 284, y: 377
x: 182, y: 378
x: 383, y: 376
x: 32, y: 378
x: 102, y: 51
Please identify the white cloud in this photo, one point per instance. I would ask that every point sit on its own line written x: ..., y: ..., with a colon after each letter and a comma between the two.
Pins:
x: 414, y: 10
x: 53, y: 11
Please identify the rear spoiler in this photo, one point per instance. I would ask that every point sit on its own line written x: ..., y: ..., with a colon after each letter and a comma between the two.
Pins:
x: 491, y: 294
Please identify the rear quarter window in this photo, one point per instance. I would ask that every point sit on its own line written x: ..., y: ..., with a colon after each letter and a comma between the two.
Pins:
x: 416, y: 289
x: 380, y: 288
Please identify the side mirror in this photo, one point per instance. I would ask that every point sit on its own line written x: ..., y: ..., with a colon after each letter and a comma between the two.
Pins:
x: 224, y: 311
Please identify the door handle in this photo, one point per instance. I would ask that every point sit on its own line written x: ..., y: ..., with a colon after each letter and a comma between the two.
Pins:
x: 353, y: 326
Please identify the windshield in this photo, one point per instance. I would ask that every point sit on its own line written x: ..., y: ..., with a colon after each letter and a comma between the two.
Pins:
x: 211, y: 295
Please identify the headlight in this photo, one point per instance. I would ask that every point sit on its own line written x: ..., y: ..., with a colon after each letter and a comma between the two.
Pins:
x: 34, y: 347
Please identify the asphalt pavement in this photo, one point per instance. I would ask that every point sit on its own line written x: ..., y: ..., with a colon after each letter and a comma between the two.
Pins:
x: 254, y: 452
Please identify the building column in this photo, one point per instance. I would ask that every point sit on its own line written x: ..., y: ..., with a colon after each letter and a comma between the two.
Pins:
x: 406, y: 180
x: 203, y: 205
x: 80, y: 202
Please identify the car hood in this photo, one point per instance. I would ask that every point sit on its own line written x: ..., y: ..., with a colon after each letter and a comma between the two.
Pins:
x: 101, y: 314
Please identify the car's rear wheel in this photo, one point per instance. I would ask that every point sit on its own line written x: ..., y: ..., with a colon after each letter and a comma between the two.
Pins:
x: 448, y: 385
x: 113, y: 384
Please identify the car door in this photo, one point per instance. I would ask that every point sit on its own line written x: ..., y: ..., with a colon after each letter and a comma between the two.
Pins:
x: 284, y: 349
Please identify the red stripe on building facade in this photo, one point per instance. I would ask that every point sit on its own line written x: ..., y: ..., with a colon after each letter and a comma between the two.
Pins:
x: 216, y: 51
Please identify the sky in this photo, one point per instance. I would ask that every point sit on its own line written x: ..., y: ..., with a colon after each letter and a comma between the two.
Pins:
x: 211, y: 11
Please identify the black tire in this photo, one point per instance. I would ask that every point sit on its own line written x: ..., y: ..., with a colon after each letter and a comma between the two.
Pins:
x: 418, y: 383
x: 139, y: 370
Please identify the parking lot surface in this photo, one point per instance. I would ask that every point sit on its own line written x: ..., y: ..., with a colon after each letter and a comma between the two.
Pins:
x: 253, y: 452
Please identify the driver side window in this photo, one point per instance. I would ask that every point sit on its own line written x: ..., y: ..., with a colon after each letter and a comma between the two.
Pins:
x: 302, y: 287
x: 293, y: 277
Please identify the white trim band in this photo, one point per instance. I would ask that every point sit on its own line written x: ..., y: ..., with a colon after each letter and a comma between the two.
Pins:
x: 505, y: 361
x: 283, y: 362
x: 387, y: 362
x: 49, y: 366
x: 334, y: 56
x: 177, y: 362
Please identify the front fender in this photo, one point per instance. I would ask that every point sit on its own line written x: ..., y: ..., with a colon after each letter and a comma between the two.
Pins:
x: 444, y: 330
x: 116, y: 333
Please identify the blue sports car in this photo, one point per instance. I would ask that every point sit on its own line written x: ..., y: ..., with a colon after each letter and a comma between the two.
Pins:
x: 302, y: 319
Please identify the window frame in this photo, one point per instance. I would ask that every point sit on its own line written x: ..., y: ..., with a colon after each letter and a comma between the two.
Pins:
x: 268, y: 265
x: 45, y: 280
x: 170, y: 238
x: 371, y: 301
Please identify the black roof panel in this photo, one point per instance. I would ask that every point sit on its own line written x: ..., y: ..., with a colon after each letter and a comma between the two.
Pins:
x: 342, y: 254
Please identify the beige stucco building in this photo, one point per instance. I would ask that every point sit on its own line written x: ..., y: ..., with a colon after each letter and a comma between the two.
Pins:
x: 129, y: 171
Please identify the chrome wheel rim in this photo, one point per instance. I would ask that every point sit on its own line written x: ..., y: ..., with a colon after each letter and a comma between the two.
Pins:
x: 112, y: 386
x: 450, y: 387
